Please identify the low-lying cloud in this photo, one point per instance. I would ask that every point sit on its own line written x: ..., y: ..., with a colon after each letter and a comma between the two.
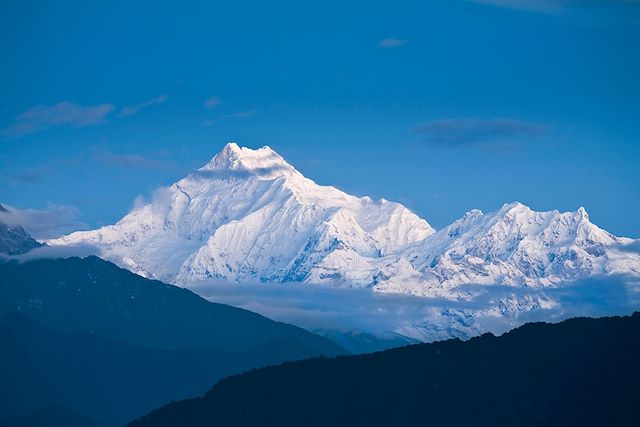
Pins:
x: 44, y: 224
x: 54, y: 252
x: 317, y: 307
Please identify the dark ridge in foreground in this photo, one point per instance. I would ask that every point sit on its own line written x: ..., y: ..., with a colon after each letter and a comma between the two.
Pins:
x: 55, y: 416
x: 581, y: 372
x: 108, y: 345
x: 110, y: 381
x: 94, y: 295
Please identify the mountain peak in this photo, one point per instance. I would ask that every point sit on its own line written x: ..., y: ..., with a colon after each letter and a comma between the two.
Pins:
x: 515, y: 207
x: 581, y: 213
x: 263, y: 161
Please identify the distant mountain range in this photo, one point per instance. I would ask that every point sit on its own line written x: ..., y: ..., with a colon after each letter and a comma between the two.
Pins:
x: 249, y: 216
x: 100, y: 342
x: 581, y: 372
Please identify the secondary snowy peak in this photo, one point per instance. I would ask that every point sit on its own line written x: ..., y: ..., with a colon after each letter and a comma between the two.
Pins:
x: 248, y: 216
x: 513, y: 246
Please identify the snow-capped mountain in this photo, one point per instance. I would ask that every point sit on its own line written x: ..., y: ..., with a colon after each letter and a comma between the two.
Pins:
x: 513, y: 246
x: 249, y: 216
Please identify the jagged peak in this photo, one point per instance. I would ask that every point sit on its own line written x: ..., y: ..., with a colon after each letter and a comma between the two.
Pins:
x: 263, y: 161
x: 581, y: 213
x: 515, y: 207
x: 462, y: 224
x: 473, y: 213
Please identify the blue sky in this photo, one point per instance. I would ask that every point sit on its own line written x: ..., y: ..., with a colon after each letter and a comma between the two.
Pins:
x: 444, y: 106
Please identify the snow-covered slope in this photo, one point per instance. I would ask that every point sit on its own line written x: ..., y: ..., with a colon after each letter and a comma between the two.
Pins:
x: 249, y: 216
x: 513, y: 246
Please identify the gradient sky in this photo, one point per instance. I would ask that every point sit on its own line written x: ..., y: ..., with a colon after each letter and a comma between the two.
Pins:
x: 444, y: 106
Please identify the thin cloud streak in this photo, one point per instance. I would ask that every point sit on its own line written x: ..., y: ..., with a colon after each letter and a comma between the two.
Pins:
x: 391, y: 42
x: 548, y: 7
x: 28, y: 176
x: 70, y: 114
x: 62, y: 114
x: 131, y: 161
x: 130, y: 110
x: 235, y: 173
x: 239, y: 115
x: 498, y: 132
x: 551, y: 7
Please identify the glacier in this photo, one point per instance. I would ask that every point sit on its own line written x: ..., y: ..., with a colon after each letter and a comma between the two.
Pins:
x: 249, y: 217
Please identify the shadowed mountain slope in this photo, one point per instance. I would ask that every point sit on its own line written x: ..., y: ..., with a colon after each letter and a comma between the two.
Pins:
x: 94, y: 295
x: 101, y: 342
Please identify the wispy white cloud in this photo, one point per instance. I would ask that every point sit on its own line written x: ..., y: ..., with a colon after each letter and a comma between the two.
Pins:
x: 212, y: 102
x: 239, y: 115
x: 130, y: 110
x: 391, y: 42
x: 208, y: 123
x: 65, y: 113
x: 70, y: 114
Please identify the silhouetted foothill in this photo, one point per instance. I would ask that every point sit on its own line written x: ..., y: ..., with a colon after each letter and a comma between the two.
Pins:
x: 103, y: 343
x: 581, y: 372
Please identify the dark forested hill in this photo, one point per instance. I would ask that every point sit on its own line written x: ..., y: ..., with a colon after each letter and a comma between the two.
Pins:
x: 94, y: 295
x: 106, y: 344
x: 53, y: 416
x: 576, y: 373
x: 109, y: 380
